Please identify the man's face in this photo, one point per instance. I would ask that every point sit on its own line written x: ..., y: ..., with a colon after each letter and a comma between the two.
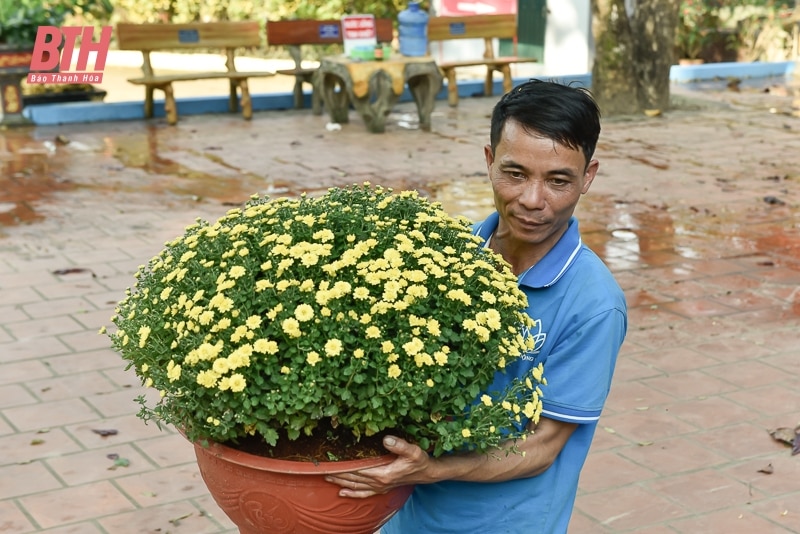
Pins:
x: 537, y: 184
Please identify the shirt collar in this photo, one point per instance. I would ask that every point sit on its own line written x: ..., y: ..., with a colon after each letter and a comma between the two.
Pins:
x: 554, y: 264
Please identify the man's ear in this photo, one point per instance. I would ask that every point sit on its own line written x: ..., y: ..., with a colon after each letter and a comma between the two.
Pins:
x: 589, y: 174
x: 489, y: 155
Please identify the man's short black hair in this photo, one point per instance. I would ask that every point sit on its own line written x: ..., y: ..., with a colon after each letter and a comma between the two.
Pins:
x: 567, y: 115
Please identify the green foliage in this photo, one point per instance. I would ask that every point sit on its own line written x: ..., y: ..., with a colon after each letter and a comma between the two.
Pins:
x: 212, y: 10
x: 19, y: 19
x: 701, y: 20
x: 376, y: 311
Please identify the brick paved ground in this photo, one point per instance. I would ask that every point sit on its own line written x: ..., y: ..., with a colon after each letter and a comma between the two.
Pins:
x: 696, y: 212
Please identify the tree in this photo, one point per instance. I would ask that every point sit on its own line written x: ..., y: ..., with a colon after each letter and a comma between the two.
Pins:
x: 634, y: 50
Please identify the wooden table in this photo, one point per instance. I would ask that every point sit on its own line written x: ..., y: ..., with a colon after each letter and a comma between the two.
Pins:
x: 373, y: 87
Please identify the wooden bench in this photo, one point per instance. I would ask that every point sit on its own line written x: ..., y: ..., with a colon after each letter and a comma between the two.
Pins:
x: 487, y: 27
x: 193, y: 36
x: 294, y: 33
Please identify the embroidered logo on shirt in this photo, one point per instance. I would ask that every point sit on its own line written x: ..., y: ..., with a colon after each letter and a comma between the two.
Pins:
x: 535, y: 331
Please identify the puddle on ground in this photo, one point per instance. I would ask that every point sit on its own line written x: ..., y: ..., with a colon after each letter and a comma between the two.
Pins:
x: 28, y: 175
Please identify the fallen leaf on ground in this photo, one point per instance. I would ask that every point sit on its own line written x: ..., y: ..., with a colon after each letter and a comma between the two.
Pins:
x: 768, y: 470
x: 784, y: 435
x: 105, y: 432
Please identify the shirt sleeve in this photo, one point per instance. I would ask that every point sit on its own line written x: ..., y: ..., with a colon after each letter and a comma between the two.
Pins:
x: 579, y: 368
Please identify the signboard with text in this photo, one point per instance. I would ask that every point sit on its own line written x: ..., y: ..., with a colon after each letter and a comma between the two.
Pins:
x: 358, y: 31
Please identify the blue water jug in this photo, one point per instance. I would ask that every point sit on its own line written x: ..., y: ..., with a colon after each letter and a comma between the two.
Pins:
x: 413, y: 30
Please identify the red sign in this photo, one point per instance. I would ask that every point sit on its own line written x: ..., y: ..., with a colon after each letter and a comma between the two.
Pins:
x: 359, y: 27
x: 46, y: 56
x: 453, y: 8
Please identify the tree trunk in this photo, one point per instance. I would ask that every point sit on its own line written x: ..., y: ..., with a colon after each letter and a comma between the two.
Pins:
x: 634, y: 53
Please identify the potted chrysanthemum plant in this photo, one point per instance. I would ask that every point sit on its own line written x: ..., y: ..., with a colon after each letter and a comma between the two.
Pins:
x: 336, y: 317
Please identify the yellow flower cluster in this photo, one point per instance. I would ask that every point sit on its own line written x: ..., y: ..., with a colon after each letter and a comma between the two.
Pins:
x: 372, y: 307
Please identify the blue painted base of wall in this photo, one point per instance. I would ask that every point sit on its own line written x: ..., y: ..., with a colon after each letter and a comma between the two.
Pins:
x: 115, y: 111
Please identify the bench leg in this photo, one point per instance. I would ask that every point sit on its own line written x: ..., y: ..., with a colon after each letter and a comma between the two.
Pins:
x: 170, y: 108
x: 298, y: 91
x: 507, y: 82
x: 452, y: 87
x: 233, y: 101
x: 488, y: 84
x: 148, y: 101
x: 247, y: 105
x: 316, y: 93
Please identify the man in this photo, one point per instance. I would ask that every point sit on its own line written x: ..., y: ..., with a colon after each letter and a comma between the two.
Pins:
x: 539, y: 161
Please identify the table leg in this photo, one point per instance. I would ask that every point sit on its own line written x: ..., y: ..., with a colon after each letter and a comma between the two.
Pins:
x: 378, y: 103
x: 335, y: 99
x: 423, y: 87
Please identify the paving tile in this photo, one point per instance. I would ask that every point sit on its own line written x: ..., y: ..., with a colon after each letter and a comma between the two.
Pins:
x: 12, y: 314
x: 738, y: 441
x: 166, y: 485
x: 25, y: 447
x: 582, y: 524
x: 772, y: 399
x: 64, y: 506
x: 207, y: 505
x: 783, y: 511
x: 176, y: 518
x: 28, y: 479
x: 98, y: 464
x: 730, y: 520
x: 114, y: 404
x: 782, y: 481
x: 18, y: 295
x: 647, y: 425
x: 55, y: 307
x: 13, y: 520
x: 15, y: 395
x: 704, y: 491
x: 167, y: 449
x: 49, y: 414
x: 129, y: 429
x: 674, y: 455
x: 14, y: 372
x: 710, y: 412
x: 85, y: 385
x: 607, y: 469
x: 630, y: 507
x: 84, y: 527
x: 44, y: 327
x: 85, y: 361
x: 689, y: 384
x: 676, y: 360
x: 752, y: 373
x: 27, y: 349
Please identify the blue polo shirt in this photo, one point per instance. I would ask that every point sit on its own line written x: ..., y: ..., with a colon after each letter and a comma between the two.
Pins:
x: 580, y: 320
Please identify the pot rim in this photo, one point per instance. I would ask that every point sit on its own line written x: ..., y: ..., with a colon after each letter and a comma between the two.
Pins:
x: 291, y: 466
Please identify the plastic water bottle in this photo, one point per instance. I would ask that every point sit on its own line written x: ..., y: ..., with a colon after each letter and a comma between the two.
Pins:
x: 413, y: 30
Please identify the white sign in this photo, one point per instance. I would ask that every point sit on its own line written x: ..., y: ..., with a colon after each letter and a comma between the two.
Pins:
x: 358, y: 31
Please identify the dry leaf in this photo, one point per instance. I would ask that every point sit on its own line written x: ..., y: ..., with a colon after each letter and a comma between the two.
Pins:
x: 784, y: 435
x: 768, y: 470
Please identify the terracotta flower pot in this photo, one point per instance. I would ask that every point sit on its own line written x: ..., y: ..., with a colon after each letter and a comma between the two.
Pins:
x: 263, y: 495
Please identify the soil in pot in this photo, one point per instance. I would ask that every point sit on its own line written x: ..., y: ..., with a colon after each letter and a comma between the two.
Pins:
x: 326, y: 444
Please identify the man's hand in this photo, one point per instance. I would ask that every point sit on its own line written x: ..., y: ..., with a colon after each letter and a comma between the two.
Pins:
x: 408, y: 468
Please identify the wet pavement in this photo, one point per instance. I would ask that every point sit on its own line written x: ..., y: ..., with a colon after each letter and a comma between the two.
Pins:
x: 697, y: 213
